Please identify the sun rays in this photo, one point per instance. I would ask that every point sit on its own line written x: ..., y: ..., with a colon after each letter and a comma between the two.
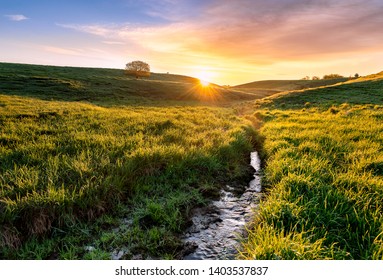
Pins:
x: 204, y: 83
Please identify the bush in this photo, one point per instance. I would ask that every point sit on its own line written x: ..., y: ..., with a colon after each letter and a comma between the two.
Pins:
x: 332, y: 76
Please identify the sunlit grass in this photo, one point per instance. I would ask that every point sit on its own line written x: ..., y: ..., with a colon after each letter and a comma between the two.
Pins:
x: 65, y: 163
x: 323, y: 176
x: 107, y: 87
x: 123, y: 168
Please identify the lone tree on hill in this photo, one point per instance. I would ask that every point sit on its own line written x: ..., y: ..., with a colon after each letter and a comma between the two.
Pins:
x: 138, y: 69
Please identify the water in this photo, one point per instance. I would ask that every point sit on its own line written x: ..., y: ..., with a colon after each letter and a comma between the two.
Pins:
x: 217, y: 228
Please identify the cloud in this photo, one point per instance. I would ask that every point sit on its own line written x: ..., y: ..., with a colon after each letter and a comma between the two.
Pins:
x: 250, y: 33
x: 113, y: 43
x: 63, y: 51
x: 261, y: 30
x: 98, y: 30
x: 293, y: 29
x: 16, y: 17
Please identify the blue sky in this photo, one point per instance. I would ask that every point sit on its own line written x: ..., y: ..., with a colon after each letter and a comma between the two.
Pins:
x: 228, y: 42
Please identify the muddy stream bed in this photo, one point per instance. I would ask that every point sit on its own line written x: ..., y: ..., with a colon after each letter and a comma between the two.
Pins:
x: 217, y: 228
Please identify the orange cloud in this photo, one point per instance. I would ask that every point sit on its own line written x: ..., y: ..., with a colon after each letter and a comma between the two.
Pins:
x: 255, y: 36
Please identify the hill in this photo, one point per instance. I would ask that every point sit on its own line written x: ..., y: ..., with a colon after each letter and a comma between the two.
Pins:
x: 94, y: 162
x: 269, y: 87
x: 371, y: 77
x: 323, y: 172
x: 108, y: 87
x: 364, y: 90
x: 90, y: 158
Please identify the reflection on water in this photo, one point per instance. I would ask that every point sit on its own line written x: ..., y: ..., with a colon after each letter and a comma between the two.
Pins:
x: 217, y: 227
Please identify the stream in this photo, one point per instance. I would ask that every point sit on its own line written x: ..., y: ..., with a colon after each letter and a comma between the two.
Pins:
x: 218, y: 227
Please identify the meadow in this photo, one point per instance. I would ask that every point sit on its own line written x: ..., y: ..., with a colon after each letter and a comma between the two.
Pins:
x: 271, y: 87
x: 323, y: 153
x: 71, y: 171
x: 93, y: 161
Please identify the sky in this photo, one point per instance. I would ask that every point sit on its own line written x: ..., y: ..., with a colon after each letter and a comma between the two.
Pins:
x: 228, y: 42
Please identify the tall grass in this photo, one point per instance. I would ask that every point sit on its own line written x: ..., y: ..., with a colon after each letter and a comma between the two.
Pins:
x: 70, y: 171
x: 323, y: 176
x: 65, y: 162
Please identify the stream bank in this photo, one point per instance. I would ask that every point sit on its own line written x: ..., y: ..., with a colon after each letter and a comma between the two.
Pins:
x: 217, y: 228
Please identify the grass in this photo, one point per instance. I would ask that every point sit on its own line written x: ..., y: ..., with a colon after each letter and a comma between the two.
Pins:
x: 271, y: 87
x: 110, y: 87
x: 71, y: 171
x: 93, y: 162
x: 324, y: 156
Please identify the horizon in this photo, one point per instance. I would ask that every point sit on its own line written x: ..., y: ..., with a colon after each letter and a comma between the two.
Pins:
x: 167, y: 73
x: 223, y: 42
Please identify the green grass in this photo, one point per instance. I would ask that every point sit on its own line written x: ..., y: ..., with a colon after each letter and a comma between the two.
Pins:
x: 270, y: 87
x: 92, y: 161
x: 323, y: 176
x: 71, y: 171
x: 110, y: 87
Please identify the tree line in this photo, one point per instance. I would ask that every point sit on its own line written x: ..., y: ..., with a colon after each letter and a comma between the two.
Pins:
x: 329, y: 77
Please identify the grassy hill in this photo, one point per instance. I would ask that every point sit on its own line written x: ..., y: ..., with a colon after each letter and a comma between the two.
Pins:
x: 108, y: 87
x: 371, y: 77
x: 92, y: 161
x: 270, y: 87
x: 364, y: 90
x: 323, y: 150
x: 82, y: 150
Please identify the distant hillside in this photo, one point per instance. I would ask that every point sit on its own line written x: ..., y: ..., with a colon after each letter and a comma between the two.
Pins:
x: 371, y: 77
x: 108, y: 87
x: 364, y: 90
x: 270, y: 87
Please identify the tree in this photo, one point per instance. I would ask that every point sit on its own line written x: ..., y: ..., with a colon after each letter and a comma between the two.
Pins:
x: 315, y: 78
x: 332, y: 76
x: 356, y: 75
x: 138, y: 69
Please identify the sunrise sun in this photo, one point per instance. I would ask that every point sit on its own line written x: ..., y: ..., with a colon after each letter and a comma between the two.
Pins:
x: 204, y: 77
x: 204, y: 83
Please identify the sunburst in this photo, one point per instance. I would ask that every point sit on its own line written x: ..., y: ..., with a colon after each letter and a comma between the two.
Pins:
x: 204, y: 83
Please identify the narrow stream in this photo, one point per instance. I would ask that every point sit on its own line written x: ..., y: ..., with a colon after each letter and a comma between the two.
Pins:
x: 217, y: 227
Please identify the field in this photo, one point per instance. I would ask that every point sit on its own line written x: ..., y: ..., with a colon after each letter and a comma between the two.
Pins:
x: 270, y: 87
x: 71, y: 171
x: 92, y: 161
x: 323, y: 150
x: 110, y: 87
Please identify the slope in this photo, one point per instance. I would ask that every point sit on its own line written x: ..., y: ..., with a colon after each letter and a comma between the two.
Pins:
x: 270, y: 87
x: 79, y: 171
x: 107, y: 87
x: 323, y: 150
